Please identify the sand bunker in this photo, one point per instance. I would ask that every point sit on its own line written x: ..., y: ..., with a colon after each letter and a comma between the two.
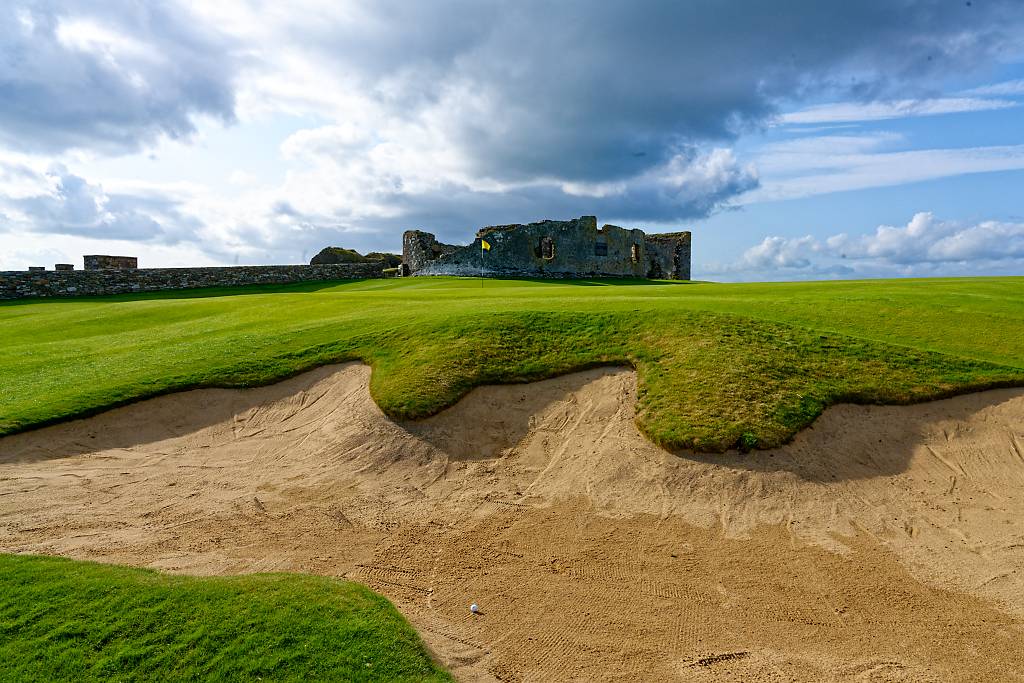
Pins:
x: 884, y: 544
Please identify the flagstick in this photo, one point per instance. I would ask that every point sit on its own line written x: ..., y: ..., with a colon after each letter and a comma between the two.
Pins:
x: 484, y: 246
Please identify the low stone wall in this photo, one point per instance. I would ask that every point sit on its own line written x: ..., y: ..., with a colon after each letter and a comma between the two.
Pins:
x: 50, y: 283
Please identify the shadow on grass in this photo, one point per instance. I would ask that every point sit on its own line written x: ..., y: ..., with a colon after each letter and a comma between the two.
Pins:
x: 311, y: 287
x: 196, y: 293
x: 595, y: 282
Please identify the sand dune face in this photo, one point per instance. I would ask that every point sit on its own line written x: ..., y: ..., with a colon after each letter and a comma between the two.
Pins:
x: 886, y: 543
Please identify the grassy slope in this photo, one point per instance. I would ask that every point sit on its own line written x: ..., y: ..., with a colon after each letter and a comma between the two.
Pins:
x: 62, y: 620
x: 719, y: 365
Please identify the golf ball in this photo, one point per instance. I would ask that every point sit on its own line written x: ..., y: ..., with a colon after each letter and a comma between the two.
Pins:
x: 474, y: 608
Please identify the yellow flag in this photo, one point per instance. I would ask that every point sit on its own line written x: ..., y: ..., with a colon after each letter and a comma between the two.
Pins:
x: 485, y: 245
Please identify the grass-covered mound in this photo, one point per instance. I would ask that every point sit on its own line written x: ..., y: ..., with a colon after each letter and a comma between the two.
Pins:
x: 342, y: 255
x: 62, y: 620
x: 719, y: 365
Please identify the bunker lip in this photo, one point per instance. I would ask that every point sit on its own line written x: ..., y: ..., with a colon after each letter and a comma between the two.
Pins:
x: 281, y: 380
x: 881, y: 537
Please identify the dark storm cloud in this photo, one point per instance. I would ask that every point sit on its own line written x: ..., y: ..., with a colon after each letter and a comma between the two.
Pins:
x: 454, y: 212
x: 615, y: 108
x: 596, y: 91
x: 106, y: 74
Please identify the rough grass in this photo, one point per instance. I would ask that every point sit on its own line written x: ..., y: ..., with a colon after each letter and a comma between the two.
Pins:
x: 719, y: 365
x: 62, y: 620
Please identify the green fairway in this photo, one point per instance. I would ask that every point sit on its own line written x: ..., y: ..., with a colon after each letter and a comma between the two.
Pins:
x: 719, y: 365
x: 62, y: 620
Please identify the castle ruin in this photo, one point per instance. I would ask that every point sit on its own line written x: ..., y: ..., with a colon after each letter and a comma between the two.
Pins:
x: 554, y: 249
x: 548, y: 249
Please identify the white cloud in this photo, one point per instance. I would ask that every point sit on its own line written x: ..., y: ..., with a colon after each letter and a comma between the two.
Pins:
x: 59, y: 202
x: 60, y: 215
x: 925, y: 246
x: 1003, y: 89
x: 836, y: 163
x: 22, y: 175
x: 242, y: 178
x: 87, y: 35
x: 778, y: 252
x: 846, y: 112
x: 42, y: 250
x: 804, y: 152
x: 926, y: 239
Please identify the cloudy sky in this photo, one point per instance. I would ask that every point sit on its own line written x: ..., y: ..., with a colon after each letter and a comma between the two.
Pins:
x: 797, y: 139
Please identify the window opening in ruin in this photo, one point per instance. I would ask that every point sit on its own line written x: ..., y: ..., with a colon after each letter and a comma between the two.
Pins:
x: 547, y: 248
x: 634, y: 253
x: 600, y: 249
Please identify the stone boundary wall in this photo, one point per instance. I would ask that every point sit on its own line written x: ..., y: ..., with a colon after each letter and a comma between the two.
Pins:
x: 62, y: 283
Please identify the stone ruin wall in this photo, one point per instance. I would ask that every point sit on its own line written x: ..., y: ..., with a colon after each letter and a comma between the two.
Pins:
x: 62, y: 283
x: 670, y: 252
x: 556, y: 249
x: 552, y: 249
x: 100, y: 262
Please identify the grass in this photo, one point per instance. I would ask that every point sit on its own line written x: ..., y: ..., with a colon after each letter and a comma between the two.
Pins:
x: 62, y: 620
x: 719, y: 365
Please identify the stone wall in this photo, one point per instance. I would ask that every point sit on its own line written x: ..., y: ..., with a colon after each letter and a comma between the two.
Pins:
x: 670, y: 255
x: 21, y: 284
x: 101, y: 262
x: 557, y: 249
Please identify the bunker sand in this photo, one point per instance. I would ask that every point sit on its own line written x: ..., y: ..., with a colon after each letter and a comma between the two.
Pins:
x: 883, y: 544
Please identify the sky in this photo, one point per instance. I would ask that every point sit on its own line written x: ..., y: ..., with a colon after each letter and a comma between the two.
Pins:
x: 801, y: 139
